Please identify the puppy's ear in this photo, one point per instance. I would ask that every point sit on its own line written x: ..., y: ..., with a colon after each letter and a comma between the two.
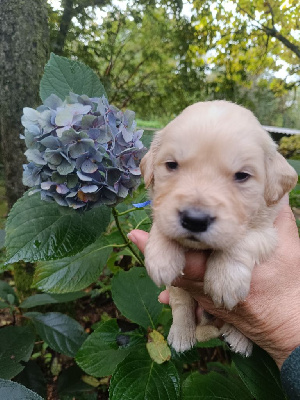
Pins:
x: 147, y: 163
x: 280, y: 178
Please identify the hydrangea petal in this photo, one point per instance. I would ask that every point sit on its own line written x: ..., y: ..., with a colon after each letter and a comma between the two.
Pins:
x: 89, y: 188
x: 64, y: 117
x: 83, y: 177
x: 89, y: 167
x: 127, y: 135
x: 65, y: 167
x: 62, y: 189
x: 47, y: 185
x: 35, y: 156
x: 51, y: 142
x: 53, y: 102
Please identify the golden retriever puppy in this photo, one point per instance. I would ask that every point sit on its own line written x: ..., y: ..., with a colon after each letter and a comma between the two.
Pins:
x: 216, y: 181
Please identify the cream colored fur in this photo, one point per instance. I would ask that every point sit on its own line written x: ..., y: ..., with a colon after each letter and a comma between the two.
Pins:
x: 211, y: 142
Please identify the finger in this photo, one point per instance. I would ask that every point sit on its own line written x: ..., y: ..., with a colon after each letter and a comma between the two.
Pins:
x: 285, y: 223
x: 164, y: 297
x: 139, y: 238
x: 195, y: 265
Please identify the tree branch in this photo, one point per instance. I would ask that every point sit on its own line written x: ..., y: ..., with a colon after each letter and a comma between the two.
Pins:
x: 274, y: 33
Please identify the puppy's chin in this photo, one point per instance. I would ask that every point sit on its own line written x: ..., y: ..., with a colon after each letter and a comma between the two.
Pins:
x: 193, y: 242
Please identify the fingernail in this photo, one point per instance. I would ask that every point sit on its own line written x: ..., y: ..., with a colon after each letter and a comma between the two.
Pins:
x: 132, y: 238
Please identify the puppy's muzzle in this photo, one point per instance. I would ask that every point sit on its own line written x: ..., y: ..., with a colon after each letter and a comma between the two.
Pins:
x: 195, y: 220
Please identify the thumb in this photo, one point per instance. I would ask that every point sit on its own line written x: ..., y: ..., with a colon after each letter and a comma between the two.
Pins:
x: 285, y: 224
x: 139, y: 238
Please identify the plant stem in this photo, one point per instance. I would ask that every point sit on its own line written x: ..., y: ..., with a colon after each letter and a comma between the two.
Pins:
x: 127, y: 242
x: 129, y: 211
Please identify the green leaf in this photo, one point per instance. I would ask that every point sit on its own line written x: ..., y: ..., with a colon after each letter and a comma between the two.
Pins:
x: 73, y: 273
x: 32, y: 377
x: 40, y: 230
x: 100, y: 353
x: 7, y: 295
x: 60, y: 332
x: 214, y: 386
x: 16, y: 345
x: 63, y: 76
x: 14, y: 391
x: 260, y: 374
x: 135, y: 295
x: 46, y: 298
x: 140, y: 378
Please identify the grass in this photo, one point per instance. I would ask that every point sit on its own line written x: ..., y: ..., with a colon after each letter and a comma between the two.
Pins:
x: 148, y: 124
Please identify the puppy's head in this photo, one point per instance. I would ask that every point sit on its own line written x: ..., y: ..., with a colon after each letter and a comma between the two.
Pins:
x: 214, y: 172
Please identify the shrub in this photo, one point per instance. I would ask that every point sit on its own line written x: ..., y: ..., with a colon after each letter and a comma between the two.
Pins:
x: 289, y: 147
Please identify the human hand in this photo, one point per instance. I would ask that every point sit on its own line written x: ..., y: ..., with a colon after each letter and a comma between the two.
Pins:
x: 270, y: 315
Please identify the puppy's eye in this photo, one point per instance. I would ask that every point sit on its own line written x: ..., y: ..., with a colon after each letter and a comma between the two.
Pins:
x: 171, y: 165
x: 241, y: 176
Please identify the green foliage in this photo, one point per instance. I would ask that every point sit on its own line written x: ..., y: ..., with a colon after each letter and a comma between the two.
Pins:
x: 54, y: 231
x: 100, y: 354
x: 135, y: 295
x: 62, y: 333
x: 260, y: 374
x: 139, y: 377
x: 63, y: 76
x: 16, y: 345
x: 224, y: 385
x: 73, y: 273
x: 289, y: 147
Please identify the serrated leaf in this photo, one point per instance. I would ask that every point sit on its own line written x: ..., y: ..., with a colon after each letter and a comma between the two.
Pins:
x: 158, y: 348
x: 14, y: 391
x: 73, y: 273
x: 136, y: 295
x: 63, y: 76
x: 33, y: 378
x: 59, y: 331
x: 100, y: 353
x: 140, y: 378
x: 16, y: 345
x: 47, y: 298
x: 40, y: 230
x: 260, y: 374
x: 214, y: 386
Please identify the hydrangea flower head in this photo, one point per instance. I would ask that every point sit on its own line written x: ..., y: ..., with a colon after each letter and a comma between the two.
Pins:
x: 82, y: 151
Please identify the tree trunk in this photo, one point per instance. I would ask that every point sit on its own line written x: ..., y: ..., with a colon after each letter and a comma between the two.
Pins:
x: 24, y: 51
x: 64, y: 27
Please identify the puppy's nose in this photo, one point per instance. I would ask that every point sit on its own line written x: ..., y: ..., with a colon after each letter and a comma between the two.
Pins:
x: 195, y: 220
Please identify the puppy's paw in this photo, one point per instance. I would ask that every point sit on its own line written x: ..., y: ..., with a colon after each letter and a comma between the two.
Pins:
x: 207, y: 332
x: 227, y: 285
x: 237, y: 342
x: 182, y: 338
x: 164, y: 263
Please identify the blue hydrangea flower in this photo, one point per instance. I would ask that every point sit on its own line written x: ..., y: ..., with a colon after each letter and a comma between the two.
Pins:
x: 82, y: 151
